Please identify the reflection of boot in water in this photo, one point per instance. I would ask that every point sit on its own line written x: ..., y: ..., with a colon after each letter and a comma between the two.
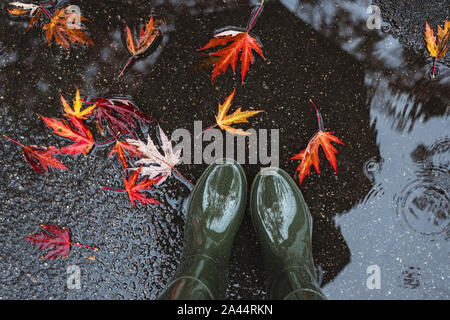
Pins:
x: 283, y: 226
x: 214, y: 214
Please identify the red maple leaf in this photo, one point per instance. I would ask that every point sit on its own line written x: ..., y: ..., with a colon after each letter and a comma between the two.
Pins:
x: 120, y: 115
x: 120, y: 148
x: 228, y: 55
x: 76, y: 131
x: 56, y: 239
x: 43, y: 155
x: 310, y: 155
x: 135, y: 190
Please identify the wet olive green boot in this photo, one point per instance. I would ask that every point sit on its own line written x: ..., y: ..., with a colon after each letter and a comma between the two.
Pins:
x: 213, y: 217
x: 283, y: 226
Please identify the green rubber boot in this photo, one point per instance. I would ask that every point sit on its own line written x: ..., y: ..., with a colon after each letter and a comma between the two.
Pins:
x: 214, y: 214
x: 283, y: 226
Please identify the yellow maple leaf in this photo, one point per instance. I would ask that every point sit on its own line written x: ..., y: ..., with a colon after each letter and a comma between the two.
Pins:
x: 440, y: 49
x: 77, y: 105
x: 225, y: 121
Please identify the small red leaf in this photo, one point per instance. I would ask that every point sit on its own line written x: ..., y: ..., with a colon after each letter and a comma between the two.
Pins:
x: 43, y: 155
x: 134, y: 191
x: 55, y: 239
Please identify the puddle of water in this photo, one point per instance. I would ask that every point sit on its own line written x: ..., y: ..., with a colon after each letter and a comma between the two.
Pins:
x: 402, y: 225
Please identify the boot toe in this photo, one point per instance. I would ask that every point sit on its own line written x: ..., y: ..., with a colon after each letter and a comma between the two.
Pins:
x: 215, y: 209
x: 280, y: 216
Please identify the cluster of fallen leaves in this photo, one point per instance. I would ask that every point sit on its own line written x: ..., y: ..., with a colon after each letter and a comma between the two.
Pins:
x: 234, y: 41
x: 119, y: 118
x: 63, y: 25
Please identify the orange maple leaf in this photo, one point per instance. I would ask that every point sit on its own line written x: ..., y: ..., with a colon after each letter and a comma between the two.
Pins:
x: 21, y: 9
x: 228, y: 55
x: 64, y: 30
x: 440, y: 49
x: 310, y: 155
x: 134, y: 191
x: 146, y: 38
x: 120, y: 147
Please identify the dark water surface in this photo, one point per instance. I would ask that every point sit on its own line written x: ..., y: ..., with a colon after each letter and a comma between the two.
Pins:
x: 387, y: 207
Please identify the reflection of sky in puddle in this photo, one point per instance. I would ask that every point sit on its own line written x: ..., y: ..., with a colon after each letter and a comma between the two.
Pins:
x: 402, y: 224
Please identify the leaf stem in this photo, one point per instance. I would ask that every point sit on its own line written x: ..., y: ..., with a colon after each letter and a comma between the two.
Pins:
x: 177, y: 172
x: 112, y: 189
x: 206, y: 130
x: 46, y: 12
x: 14, y: 141
x: 83, y: 245
x: 87, y: 102
x: 434, y: 69
x: 121, y: 73
x: 108, y: 141
x: 319, y: 117
x: 46, y: 4
x: 254, y: 17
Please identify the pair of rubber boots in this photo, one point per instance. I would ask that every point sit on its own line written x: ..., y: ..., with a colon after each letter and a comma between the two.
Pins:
x: 282, y: 223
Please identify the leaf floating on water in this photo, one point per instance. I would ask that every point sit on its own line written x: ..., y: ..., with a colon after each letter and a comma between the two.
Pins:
x: 438, y: 50
x: 120, y: 115
x: 147, y: 35
x: 228, y: 55
x: 64, y: 30
x: 233, y: 42
x: 225, y: 121
x: 310, y: 155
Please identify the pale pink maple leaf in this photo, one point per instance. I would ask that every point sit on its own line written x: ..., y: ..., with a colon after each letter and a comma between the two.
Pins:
x: 158, y: 164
